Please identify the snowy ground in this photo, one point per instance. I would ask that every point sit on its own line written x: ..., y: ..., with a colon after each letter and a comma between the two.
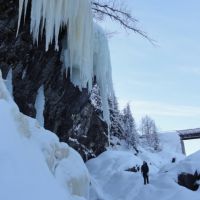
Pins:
x: 35, y: 165
x: 111, y: 181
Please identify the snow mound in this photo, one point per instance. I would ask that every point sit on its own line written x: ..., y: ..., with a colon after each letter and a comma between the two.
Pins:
x: 189, y: 165
x: 113, y: 161
x: 110, y: 180
x: 34, y: 164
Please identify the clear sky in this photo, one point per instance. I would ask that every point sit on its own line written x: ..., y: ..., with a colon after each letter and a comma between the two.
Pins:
x: 161, y: 81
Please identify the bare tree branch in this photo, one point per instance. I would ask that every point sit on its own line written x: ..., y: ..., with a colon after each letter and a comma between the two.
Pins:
x: 118, y: 13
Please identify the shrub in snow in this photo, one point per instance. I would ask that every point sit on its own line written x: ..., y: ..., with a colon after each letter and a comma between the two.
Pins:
x: 149, y: 131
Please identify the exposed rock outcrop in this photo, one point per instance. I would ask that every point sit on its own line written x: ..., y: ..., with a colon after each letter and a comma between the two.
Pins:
x: 67, y: 111
x: 189, y: 180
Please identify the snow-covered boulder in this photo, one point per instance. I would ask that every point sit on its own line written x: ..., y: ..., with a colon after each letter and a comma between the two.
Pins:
x: 189, y: 181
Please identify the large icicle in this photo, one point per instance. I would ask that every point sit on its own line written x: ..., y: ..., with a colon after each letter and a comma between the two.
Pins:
x: 102, y: 69
x: 85, y: 48
x: 51, y: 15
x: 39, y: 105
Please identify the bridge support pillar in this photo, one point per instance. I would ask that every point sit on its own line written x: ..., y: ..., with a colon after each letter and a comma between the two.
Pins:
x: 183, y: 147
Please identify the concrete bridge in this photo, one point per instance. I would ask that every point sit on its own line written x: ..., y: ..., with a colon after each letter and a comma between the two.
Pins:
x: 188, y: 134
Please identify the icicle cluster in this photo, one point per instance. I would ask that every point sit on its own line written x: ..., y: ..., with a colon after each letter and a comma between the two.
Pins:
x: 51, y: 15
x: 85, y: 48
x: 102, y: 69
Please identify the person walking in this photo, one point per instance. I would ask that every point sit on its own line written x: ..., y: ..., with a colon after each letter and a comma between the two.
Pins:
x: 145, y: 171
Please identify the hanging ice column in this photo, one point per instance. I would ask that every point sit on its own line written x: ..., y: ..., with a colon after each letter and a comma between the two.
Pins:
x: 85, y: 50
x: 49, y: 16
x: 102, y: 69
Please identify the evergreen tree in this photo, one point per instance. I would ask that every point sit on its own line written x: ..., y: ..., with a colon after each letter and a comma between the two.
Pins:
x: 115, y: 118
x: 149, y: 130
x: 129, y: 126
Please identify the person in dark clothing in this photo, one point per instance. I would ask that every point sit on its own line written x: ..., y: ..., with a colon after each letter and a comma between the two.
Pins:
x: 145, y: 171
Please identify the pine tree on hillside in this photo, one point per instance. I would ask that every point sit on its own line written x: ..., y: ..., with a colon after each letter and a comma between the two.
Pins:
x: 115, y: 118
x: 149, y: 131
x: 115, y: 115
x: 129, y: 126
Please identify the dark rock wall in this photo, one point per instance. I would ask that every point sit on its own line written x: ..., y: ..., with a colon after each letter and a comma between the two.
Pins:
x: 67, y: 112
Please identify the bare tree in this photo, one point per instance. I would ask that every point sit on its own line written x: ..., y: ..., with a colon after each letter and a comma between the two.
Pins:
x: 149, y: 131
x: 119, y: 13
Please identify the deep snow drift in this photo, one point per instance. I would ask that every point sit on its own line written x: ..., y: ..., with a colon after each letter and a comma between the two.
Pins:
x: 112, y: 181
x: 34, y: 164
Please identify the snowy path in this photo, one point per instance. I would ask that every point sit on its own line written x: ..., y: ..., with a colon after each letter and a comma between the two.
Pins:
x: 121, y: 186
x: 129, y: 186
x: 111, y: 181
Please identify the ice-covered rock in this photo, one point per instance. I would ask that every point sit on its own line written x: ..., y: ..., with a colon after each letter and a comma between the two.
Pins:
x: 30, y: 67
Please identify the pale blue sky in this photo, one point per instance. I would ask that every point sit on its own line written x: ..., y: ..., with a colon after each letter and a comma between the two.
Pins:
x: 161, y: 81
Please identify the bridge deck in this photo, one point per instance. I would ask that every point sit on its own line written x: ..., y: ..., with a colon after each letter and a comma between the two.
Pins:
x: 189, y: 134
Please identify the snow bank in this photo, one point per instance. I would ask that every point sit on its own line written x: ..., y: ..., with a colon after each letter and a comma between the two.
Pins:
x: 34, y: 164
x: 112, y: 162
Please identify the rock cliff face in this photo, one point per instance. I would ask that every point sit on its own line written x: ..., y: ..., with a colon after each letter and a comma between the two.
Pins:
x: 67, y: 110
